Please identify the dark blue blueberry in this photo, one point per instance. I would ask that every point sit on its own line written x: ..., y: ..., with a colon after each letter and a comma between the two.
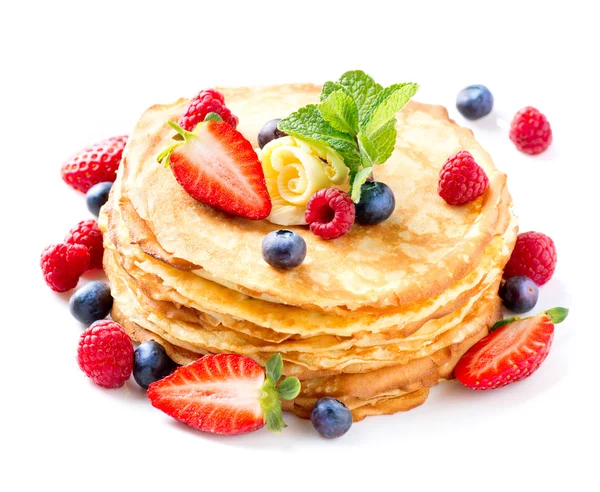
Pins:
x: 283, y: 249
x: 151, y: 363
x: 330, y: 417
x: 97, y: 196
x: 376, y: 203
x: 269, y: 132
x: 91, y: 302
x: 475, y: 102
x: 519, y: 294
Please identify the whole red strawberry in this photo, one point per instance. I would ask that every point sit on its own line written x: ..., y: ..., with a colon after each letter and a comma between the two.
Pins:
x: 94, y: 164
x: 530, y: 131
x: 63, y: 264
x: 462, y: 180
x: 534, y: 256
x: 226, y: 394
x: 88, y: 234
x: 511, y: 352
x: 105, y: 354
x: 330, y: 213
x: 206, y: 101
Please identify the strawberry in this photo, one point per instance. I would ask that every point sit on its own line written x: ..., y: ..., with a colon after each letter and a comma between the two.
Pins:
x: 217, y: 166
x: 513, y: 350
x: 225, y: 394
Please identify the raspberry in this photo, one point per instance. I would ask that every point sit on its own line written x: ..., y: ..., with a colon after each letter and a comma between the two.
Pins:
x: 62, y: 265
x: 461, y: 179
x: 88, y: 234
x: 105, y: 354
x: 530, y: 131
x: 207, y: 101
x: 330, y: 213
x: 534, y: 256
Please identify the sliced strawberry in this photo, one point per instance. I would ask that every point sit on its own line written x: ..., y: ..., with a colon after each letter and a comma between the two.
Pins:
x: 511, y: 352
x: 217, y: 166
x: 225, y: 394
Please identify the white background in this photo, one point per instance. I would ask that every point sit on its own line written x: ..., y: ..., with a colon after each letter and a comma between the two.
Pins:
x: 74, y: 73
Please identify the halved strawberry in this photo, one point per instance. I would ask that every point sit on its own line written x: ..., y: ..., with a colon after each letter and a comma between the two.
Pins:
x: 225, y: 394
x: 217, y: 166
x: 513, y: 350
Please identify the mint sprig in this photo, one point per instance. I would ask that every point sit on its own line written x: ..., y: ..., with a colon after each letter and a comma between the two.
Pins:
x: 357, y: 118
x: 272, y: 393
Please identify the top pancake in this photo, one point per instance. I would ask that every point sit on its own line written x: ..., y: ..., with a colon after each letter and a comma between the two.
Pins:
x: 420, y: 251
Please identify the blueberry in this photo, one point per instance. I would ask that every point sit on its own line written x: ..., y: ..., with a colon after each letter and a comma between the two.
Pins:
x: 474, y: 102
x: 269, y: 132
x: 151, y: 363
x: 376, y: 203
x: 91, y: 302
x: 283, y: 249
x: 330, y: 417
x: 97, y: 196
x: 519, y: 294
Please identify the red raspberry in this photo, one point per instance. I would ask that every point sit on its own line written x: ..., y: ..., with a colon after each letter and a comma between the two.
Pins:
x: 88, y: 234
x: 94, y: 164
x: 530, y: 131
x: 330, y: 213
x: 207, y: 101
x: 105, y: 354
x: 63, y: 264
x: 534, y: 256
x: 461, y: 179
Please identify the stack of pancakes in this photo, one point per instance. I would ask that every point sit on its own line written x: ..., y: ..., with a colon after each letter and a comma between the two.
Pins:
x: 374, y: 318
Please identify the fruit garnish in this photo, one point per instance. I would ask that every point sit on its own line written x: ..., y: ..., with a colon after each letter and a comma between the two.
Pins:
x: 283, y: 249
x: 97, y: 196
x: 151, y: 363
x: 462, y: 180
x: 377, y: 203
x: 330, y: 213
x: 226, y: 394
x: 217, y: 166
x: 63, y: 264
x: 519, y: 294
x: 475, y: 101
x: 92, y: 302
x: 513, y: 350
x: 205, y: 102
x: 94, y: 164
x: 330, y: 417
x: 530, y: 131
x: 88, y: 234
x: 105, y: 354
x: 357, y: 118
x: 269, y: 132
x: 534, y: 256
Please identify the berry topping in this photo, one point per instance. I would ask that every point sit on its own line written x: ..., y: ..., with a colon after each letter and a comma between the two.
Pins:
x: 206, y: 101
x: 530, y: 131
x: 534, y: 256
x: 462, y: 180
x: 474, y: 102
x: 95, y: 164
x: 283, y: 249
x: 217, y: 166
x: 330, y: 213
x: 97, y: 196
x: 519, y: 294
x: 105, y: 354
x: 63, y: 264
x: 225, y: 394
x: 331, y: 418
x: 512, y: 351
x: 376, y: 203
x: 88, y: 234
x: 151, y: 363
x: 91, y: 302
x: 269, y: 132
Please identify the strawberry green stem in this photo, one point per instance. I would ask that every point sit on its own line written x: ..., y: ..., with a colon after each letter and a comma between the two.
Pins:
x: 272, y: 394
x: 556, y: 315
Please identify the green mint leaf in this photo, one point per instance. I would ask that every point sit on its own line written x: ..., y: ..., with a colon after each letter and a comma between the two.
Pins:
x: 362, y: 88
x: 359, y: 179
x: 289, y: 388
x: 367, y: 150
x: 328, y: 88
x: 384, y: 141
x: 213, y: 117
x: 307, y: 123
x: 388, y: 103
x: 339, y: 110
x: 557, y: 314
x: 274, y: 367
